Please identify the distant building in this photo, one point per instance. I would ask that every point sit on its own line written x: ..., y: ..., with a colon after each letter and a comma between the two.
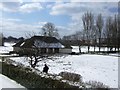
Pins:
x: 1, y: 39
x: 44, y: 43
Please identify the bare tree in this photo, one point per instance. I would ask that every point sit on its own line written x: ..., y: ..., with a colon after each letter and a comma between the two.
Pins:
x: 49, y: 29
x: 34, y: 55
x: 118, y: 31
x: 29, y: 34
x: 114, y: 30
x: 99, y: 25
x: 108, y: 31
x: 94, y: 36
x: 78, y: 37
x: 88, y: 22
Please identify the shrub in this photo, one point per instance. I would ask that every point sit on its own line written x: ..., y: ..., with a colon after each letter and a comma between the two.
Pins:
x: 95, y: 84
x: 71, y: 76
x: 30, y: 79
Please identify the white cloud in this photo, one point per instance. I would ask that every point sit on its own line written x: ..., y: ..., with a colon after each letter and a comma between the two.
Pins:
x: 14, y: 27
x: 12, y: 1
x: 17, y: 29
x: 30, y: 7
x: 94, y: 0
x: 76, y: 9
x: 41, y: 23
x: 72, y: 8
x: 9, y: 6
x: 49, y: 6
x: 60, y: 0
x: 64, y: 8
x: 38, y: 0
x: 20, y: 7
x: 14, y: 19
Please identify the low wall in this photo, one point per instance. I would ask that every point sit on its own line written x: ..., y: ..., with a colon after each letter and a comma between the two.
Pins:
x: 65, y: 50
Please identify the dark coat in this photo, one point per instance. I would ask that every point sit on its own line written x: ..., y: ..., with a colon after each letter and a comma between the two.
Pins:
x: 45, y: 69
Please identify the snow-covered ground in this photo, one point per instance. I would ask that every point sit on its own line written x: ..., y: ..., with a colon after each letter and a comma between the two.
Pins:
x: 6, y: 82
x: 92, y: 67
x: 102, y: 68
x: 6, y: 48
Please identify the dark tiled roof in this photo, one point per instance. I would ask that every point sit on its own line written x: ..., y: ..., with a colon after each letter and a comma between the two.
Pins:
x: 28, y: 43
x: 18, y: 44
x: 46, y: 39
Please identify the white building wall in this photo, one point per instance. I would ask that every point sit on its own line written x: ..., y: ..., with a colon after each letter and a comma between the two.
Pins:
x: 65, y: 50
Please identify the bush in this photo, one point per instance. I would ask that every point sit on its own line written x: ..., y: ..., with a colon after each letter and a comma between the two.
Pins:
x: 31, y: 80
x: 71, y: 76
x: 95, y: 84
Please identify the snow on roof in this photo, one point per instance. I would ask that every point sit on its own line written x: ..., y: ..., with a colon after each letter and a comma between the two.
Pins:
x: 22, y: 44
x: 40, y: 41
x: 42, y: 44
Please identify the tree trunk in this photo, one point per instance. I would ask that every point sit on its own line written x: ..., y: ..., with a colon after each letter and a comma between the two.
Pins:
x: 108, y: 45
x: 94, y: 44
x: 99, y: 44
x: 79, y: 49
x: 115, y: 48
x: 94, y: 48
x: 88, y: 48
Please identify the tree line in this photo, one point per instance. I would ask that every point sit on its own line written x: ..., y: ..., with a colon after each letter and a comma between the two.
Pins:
x: 98, y: 31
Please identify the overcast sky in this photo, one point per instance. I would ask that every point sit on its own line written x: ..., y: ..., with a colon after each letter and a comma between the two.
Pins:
x: 18, y: 17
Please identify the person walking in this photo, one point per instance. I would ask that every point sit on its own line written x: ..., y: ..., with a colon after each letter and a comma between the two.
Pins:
x: 45, y: 69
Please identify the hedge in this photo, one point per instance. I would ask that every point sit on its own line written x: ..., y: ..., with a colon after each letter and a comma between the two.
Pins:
x: 31, y: 80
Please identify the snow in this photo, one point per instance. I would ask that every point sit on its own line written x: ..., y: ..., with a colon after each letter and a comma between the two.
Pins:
x: 9, y: 44
x: 22, y: 44
x: 6, y: 82
x: 6, y: 48
x: 42, y: 44
x: 92, y: 67
x: 85, y: 49
x: 101, y: 68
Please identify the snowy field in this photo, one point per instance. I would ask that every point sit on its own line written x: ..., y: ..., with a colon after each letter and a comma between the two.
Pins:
x: 6, y: 82
x: 101, y: 68
x: 92, y: 67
